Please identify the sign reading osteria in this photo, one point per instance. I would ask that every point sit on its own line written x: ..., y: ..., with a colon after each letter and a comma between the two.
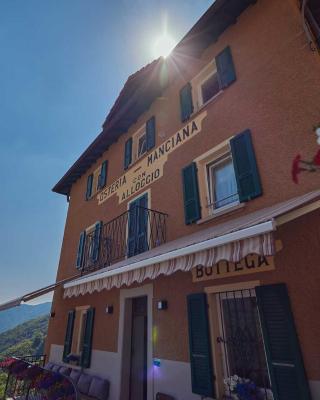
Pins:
x: 252, y: 263
x: 150, y: 168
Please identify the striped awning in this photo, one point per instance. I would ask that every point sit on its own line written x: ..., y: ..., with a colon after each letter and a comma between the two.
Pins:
x: 257, y: 239
x: 230, y: 241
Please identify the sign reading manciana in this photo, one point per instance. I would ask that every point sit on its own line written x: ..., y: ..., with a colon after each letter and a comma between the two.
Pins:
x: 150, y: 168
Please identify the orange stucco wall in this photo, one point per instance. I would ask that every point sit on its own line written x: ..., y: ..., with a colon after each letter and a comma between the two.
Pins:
x: 297, y: 265
x: 277, y: 96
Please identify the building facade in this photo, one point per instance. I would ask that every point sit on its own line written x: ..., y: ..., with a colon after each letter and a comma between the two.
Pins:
x: 194, y: 254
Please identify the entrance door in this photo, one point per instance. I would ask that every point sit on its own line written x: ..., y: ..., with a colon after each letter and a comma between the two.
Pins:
x: 138, y: 364
x: 241, y: 341
x: 138, y: 226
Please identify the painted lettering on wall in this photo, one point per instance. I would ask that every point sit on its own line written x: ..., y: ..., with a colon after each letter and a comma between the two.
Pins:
x: 150, y: 168
x: 252, y: 263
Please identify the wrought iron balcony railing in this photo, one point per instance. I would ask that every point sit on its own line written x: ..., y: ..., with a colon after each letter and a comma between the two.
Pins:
x: 133, y: 232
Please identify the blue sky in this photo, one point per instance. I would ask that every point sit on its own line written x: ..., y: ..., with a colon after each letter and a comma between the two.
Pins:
x: 62, y: 65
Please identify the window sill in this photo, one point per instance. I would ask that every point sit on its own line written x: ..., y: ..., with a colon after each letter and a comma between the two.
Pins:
x: 218, y: 214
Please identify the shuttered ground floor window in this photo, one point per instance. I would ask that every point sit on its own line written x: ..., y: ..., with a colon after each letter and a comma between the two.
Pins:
x: 244, y: 364
x: 245, y: 345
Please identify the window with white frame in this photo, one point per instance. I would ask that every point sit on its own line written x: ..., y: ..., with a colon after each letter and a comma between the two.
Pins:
x: 141, y: 144
x: 209, y: 88
x: 222, y: 185
x: 205, y: 85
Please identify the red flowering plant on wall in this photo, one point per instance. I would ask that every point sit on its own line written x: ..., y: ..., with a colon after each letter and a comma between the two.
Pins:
x: 299, y: 165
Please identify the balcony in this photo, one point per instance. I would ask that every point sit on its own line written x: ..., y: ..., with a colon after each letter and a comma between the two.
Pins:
x: 135, y: 231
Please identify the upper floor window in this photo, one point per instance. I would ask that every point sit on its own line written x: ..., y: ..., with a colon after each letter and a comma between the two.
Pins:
x: 97, y: 180
x: 141, y: 142
x: 222, y: 184
x: 216, y: 76
x: 312, y: 13
x: 221, y: 178
x: 209, y: 88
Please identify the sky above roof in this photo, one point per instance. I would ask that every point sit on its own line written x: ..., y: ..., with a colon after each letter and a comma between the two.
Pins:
x: 62, y: 65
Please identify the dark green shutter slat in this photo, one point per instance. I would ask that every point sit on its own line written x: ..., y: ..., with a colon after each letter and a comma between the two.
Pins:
x: 89, y: 186
x: 103, y: 175
x: 151, y: 133
x: 245, y: 166
x: 69, y: 334
x: 96, y: 241
x: 192, y: 210
x: 186, y: 103
x: 87, y: 339
x: 127, y: 153
x: 225, y: 68
x: 284, y: 356
x: 199, y: 343
x: 80, y: 252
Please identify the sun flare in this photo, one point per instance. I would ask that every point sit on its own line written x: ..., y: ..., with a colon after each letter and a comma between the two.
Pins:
x: 163, y: 45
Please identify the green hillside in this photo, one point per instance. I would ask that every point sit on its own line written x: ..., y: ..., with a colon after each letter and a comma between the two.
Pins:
x: 25, y: 339
x: 18, y: 315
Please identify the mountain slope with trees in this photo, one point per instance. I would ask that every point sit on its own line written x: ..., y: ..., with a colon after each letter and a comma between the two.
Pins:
x: 25, y: 339
x: 17, y: 315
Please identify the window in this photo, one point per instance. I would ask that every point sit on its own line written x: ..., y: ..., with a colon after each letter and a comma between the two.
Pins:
x: 78, y: 339
x: 97, y: 180
x: 222, y: 185
x: 141, y: 142
x: 220, y: 179
x: 208, y: 83
x: 205, y: 85
x: 89, y: 247
x: 209, y: 88
x: 141, y: 145
x: 312, y: 13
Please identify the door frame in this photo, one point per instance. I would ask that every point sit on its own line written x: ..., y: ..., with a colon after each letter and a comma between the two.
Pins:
x: 124, y: 339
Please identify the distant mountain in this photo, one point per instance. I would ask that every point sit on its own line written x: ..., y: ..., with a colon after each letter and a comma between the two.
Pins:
x: 17, y: 315
x: 25, y: 339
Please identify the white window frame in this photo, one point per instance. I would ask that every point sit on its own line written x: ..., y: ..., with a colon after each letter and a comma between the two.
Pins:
x: 197, y: 81
x: 139, y: 136
x: 205, y: 79
x: 210, y: 190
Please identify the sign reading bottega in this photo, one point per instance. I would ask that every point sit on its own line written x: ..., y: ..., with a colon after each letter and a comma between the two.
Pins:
x: 150, y: 168
x: 252, y: 263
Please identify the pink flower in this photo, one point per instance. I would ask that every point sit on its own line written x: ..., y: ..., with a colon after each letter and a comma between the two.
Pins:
x: 295, y: 170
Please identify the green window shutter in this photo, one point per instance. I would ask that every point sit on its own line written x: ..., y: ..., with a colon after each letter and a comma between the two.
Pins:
x: 151, y: 133
x: 87, y: 339
x: 186, y: 103
x: 225, y: 68
x: 288, y: 377
x: 127, y: 153
x: 96, y: 241
x: 245, y: 166
x: 199, y: 343
x: 69, y: 334
x: 89, y: 186
x: 80, y: 252
x: 103, y: 175
x: 192, y: 210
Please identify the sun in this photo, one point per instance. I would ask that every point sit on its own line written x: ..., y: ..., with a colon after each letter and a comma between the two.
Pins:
x: 163, y: 45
